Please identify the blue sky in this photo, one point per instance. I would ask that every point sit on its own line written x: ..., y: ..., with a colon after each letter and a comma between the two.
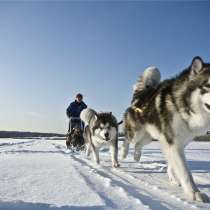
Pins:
x: 51, y: 51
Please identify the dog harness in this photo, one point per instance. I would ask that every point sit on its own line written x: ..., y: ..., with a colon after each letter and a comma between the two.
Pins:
x: 142, y: 109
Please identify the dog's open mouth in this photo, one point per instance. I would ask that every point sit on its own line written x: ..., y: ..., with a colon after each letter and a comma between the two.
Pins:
x: 207, y: 106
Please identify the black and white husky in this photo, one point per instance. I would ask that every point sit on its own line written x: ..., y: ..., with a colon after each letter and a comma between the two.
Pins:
x: 100, y: 129
x: 173, y: 111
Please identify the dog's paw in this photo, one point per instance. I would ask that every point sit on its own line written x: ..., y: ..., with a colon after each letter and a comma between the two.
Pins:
x: 116, y: 165
x: 174, y: 182
x: 198, y: 196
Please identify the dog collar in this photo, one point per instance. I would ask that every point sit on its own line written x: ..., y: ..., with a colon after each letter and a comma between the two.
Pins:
x: 137, y: 109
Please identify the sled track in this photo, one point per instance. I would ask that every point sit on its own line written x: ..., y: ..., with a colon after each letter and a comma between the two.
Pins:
x: 17, y: 143
x: 121, y: 184
x: 136, y: 186
x: 7, y: 147
x: 135, y: 189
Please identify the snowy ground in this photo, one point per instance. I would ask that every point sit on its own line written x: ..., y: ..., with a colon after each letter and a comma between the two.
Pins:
x: 42, y: 174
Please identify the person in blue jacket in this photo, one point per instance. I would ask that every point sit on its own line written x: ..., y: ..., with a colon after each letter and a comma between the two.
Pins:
x: 73, y: 111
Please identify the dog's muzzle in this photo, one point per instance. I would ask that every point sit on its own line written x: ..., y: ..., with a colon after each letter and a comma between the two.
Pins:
x: 106, y: 136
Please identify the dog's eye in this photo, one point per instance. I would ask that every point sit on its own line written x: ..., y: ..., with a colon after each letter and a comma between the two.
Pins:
x: 207, y: 85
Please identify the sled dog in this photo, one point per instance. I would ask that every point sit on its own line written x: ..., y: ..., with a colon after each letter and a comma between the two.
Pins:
x: 100, y: 129
x: 173, y: 111
x: 75, y: 139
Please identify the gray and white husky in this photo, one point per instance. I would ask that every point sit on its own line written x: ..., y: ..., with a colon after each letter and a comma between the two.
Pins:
x: 173, y: 111
x: 100, y: 129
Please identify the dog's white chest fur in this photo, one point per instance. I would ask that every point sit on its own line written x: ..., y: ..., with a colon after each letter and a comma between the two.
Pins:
x: 97, y: 141
x: 197, y: 122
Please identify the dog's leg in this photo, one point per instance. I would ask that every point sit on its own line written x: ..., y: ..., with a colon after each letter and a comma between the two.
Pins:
x: 88, y: 149
x: 87, y: 140
x: 125, y: 149
x: 67, y: 145
x: 137, y: 152
x: 142, y: 141
x: 96, y: 154
x: 114, y: 154
x: 177, y: 161
x: 171, y: 175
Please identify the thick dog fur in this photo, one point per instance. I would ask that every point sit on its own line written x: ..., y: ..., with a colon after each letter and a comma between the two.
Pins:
x: 101, y: 129
x: 177, y: 110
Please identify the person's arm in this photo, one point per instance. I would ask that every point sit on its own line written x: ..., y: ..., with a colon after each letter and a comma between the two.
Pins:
x: 84, y: 106
x: 69, y: 110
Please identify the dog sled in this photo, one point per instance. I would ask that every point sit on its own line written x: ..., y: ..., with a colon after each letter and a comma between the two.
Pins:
x: 74, y: 137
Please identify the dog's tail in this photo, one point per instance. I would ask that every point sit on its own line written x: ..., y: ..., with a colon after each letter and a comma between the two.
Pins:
x: 149, y: 79
x: 119, y: 123
x: 87, y: 114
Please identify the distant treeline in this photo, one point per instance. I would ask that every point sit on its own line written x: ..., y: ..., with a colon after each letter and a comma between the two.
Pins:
x: 20, y: 134
x: 202, y: 138
x: 57, y: 136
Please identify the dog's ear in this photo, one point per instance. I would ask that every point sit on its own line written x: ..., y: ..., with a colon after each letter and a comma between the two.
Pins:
x: 95, y: 116
x: 197, y: 65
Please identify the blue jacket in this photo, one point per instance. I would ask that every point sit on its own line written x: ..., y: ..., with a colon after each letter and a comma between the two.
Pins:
x: 75, y: 109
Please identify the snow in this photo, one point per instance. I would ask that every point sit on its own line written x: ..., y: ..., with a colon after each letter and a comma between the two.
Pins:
x: 42, y: 174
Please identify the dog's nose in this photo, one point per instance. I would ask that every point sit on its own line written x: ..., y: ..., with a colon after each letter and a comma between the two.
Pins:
x: 106, y: 135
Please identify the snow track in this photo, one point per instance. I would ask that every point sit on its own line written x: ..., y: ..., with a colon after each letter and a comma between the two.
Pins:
x: 135, y: 190
x: 42, y: 174
x: 108, y: 186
